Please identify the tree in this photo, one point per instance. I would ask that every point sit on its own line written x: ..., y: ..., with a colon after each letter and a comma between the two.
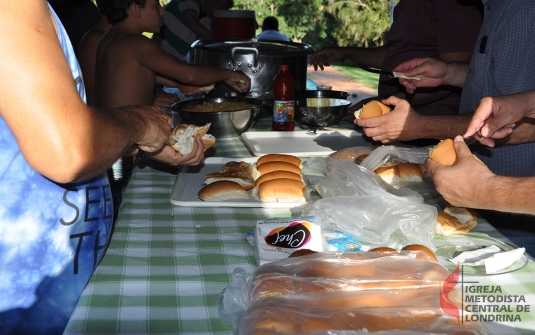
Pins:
x: 360, y: 22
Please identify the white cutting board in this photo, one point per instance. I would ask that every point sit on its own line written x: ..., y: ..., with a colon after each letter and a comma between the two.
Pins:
x: 303, y: 143
x: 190, y: 180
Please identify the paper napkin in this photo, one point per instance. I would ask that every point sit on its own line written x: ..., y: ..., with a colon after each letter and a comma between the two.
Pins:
x: 493, y: 258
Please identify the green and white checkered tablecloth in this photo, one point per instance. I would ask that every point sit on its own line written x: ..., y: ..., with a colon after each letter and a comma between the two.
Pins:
x: 166, y: 265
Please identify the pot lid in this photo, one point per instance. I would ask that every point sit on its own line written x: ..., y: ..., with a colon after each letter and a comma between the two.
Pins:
x: 264, y: 47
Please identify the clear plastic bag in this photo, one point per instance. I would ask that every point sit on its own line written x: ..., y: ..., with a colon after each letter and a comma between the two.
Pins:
x: 376, y: 221
x: 342, y: 294
x: 345, y: 178
x: 389, y: 155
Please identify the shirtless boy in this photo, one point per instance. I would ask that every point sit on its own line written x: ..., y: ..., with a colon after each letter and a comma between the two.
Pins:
x: 87, y: 57
x: 129, y: 65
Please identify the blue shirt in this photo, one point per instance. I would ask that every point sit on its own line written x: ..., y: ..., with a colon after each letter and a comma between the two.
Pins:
x: 273, y: 35
x: 503, y: 62
x: 52, y: 235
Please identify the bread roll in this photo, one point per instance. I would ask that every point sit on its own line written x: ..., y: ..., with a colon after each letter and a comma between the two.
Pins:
x: 279, y: 158
x: 372, y: 109
x: 222, y: 190
x: 278, y: 175
x: 428, y: 254
x: 355, y: 155
x: 282, y: 190
x: 409, y: 172
x: 389, y: 174
x: 455, y: 220
x: 187, y: 89
x: 277, y: 166
x: 184, y: 134
x: 444, y: 152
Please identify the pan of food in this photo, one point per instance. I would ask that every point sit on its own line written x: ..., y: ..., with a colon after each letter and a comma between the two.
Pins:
x: 229, y: 116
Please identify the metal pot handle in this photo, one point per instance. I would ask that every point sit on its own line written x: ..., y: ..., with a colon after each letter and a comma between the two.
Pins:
x: 255, y: 67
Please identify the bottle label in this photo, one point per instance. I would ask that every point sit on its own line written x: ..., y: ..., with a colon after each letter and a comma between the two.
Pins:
x: 283, y: 111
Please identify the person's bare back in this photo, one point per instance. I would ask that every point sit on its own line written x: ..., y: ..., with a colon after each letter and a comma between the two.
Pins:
x: 121, y: 78
x: 129, y: 64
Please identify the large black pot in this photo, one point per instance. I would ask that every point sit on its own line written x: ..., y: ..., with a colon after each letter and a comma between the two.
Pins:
x: 259, y: 60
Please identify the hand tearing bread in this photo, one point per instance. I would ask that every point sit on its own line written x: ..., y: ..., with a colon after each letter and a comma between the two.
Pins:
x: 372, y: 109
x: 184, y: 134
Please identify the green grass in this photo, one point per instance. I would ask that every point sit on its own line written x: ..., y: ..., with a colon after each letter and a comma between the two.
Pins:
x: 357, y: 74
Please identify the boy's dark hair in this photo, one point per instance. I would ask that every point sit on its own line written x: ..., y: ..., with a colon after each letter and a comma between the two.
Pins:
x: 100, y: 5
x: 270, y: 23
x: 116, y: 10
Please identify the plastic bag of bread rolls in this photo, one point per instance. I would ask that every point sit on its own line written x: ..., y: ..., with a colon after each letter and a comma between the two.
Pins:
x: 389, y: 155
x: 341, y: 292
x: 348, y: 179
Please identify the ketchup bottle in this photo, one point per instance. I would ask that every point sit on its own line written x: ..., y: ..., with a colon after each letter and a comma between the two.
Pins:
x: 283, y: 106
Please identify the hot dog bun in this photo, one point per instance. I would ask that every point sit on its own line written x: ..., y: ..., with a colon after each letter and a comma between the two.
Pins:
x: 277, y: 175
x: 372, y: 109
x: 184, y: 134
x: 222, y: 190
x: 268, y: 167
x: 279, y: 158
x: 282, y: 190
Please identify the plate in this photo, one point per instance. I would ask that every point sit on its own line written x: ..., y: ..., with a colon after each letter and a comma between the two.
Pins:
x: 190, y: 180
x: 303, y: 143
x: 451, y: 246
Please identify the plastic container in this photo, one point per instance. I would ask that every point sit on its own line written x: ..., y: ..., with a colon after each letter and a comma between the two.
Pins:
x: 234, y: 24
x: 284, y: 103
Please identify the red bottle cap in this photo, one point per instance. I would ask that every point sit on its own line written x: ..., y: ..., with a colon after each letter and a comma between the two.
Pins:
x: 283, y: 68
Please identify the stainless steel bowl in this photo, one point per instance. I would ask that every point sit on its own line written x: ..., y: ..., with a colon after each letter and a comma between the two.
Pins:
x: 224, y: 124
x: 320, y: 112
x: 321, y: 94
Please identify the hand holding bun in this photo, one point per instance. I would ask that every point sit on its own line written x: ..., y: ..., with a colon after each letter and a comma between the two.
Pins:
x: 372, y: 109
x: 184, y: 134
x: 444, y: 153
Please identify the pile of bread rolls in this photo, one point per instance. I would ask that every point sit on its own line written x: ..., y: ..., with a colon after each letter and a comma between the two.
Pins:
x: 273, y: 178
x: 375, y: 291
x: 403, y: 172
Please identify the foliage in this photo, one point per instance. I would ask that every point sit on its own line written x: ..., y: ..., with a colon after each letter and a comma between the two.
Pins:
x: 360, y: 22
x: 324, y: 23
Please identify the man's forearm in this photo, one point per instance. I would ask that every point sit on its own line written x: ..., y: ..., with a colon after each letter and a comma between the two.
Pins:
x: 510, y: 194
x: 441, y: 126
x: 370, y: 57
